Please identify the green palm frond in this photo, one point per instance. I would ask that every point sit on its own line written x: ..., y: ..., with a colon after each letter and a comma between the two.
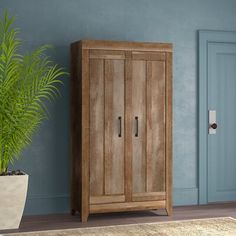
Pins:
x: 26, y: 83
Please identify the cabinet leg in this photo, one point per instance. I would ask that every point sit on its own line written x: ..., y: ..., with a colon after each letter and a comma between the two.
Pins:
x: 84, y: 217
x: 169, y: 211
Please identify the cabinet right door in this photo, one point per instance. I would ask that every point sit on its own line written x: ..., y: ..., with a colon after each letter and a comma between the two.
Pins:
x: 148, y: 126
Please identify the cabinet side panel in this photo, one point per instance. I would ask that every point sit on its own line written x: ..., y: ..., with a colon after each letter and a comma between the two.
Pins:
x: 85, y: 136
x: 96, y: 71
x: 169, y: 133
x: 75, y: 126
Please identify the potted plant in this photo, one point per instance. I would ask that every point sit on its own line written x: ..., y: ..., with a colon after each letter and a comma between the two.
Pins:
x: 26, y: 83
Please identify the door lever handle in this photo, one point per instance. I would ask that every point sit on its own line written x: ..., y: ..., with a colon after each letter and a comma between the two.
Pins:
x: 214, y: 126
x: 212, y: 122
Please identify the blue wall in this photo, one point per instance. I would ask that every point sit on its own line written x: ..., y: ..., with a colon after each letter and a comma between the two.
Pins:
x: 61, y: 22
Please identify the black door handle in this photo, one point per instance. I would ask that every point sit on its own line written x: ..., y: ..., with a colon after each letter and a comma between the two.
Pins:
x: 120, y: 126
x: 136, y: 119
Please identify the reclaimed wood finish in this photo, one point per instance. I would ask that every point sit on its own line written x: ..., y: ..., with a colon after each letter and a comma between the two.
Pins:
x: 106, y: 54
x: 128, y: 127
x: 149, y: 56
x: 127, y: 206
x: 114, y: 127
x: 107, y: 199
x: 155, y: 105
x: 106, y: 116
x: 168, y: 141
x: 85, y: 138
x: 96, y: 69
x: 149, y: 196
x: 121, y: 126
x: 148, y: 105
x: 126, y: 46
x: 139, y: 126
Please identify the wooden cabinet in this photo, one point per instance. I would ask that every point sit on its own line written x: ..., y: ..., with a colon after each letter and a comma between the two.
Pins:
x: 121, y: 126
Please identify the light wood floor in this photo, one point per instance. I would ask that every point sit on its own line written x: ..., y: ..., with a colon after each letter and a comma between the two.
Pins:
x: 65, y: 221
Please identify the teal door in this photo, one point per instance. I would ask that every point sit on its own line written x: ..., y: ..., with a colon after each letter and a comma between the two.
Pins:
x: 221, y: 138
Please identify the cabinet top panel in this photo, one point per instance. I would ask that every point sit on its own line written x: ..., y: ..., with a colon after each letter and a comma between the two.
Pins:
x: 124, y: 45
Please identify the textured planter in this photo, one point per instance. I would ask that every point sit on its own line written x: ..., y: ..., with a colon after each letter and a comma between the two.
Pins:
x: 13, y: 191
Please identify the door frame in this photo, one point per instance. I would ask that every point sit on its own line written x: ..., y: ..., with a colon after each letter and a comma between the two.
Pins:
x: 204, y: 38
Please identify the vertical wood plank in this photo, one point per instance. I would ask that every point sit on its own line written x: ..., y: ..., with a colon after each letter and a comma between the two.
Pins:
x: 114, y: 145
x: 169, y: 133
x: 139, y: 110
x: 96, y: 71
x: 128, y: 128
x: 85, y: 136
x: 149, y: 183
x: 155, y: 126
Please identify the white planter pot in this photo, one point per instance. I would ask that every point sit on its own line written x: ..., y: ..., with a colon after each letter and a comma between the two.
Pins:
x: 13, y: 191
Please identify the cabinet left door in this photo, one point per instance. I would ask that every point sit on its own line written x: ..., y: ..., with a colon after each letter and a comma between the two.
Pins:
x: 107, y: 98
